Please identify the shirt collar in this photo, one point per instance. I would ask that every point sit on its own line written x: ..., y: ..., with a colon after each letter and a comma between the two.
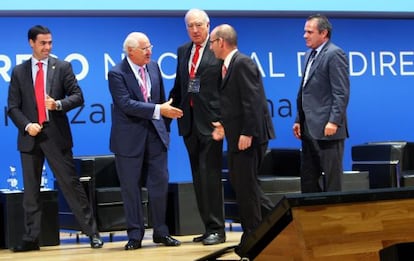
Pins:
x: 228, y: 58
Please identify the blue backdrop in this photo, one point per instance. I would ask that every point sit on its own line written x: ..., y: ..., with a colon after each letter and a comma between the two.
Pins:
x: 381, y: 66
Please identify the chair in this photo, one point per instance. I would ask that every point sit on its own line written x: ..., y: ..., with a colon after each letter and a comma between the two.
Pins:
x: 278, y: 176
x: 100, y: 180
x: 389, y: 162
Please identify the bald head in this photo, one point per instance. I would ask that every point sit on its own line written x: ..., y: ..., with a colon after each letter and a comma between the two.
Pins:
x: 223, y: 40
x: 227, y: 33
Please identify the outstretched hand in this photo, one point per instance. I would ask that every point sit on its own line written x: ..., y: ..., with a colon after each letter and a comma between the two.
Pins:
x: 169, y: 111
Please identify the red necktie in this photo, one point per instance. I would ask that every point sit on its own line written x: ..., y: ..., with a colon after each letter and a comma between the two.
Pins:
x: 194, y: 61
x: 40, y: 94
x: 193, y: 66
x: 144, y: 83
x: 223, y: 71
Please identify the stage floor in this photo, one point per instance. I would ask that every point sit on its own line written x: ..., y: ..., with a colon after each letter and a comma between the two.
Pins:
x: 70, y: 250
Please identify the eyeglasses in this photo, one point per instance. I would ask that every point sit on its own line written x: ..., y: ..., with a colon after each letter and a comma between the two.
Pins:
x: 148, y: 48
x: 197, y: 25
x: 212, y: 41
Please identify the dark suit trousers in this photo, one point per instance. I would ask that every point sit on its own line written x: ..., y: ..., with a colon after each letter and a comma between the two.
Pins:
x: 62, y: 165
x: 243, y: 168
x: 151, y: 167
x: 206, y: 159
x: 321, y: 156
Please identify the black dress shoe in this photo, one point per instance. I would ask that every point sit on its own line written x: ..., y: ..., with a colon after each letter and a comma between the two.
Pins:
x: 214, y: 239
x: 237, y: 250
x: 166, y: 241
x: 96, y: 241
x: 26, y: 246
x: 133, y: 244
x: 199, y: 238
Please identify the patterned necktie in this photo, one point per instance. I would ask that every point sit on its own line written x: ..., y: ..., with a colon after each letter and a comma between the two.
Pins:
x: 194, y: 61
x: 308, y: 66
x: 144, y: 83
x: 40, y: 94
x: 193, y: 66
x: 223, y: 71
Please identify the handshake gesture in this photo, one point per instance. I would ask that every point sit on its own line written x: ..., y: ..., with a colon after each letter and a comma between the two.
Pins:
x: 169, y: 111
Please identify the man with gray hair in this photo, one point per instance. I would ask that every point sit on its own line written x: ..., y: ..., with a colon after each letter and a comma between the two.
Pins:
x: 322, y: 101
x: 139, y: 138
x: 195, y: 91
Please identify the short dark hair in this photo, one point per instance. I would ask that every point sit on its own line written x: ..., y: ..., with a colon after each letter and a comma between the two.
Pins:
x: 36, y: 30
x: 323, y: 23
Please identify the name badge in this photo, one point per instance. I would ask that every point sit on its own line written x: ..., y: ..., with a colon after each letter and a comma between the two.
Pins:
x: 194, y: 85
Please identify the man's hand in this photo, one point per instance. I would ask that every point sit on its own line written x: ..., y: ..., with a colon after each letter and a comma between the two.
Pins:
x: 169, y: 111
x: 296, y: 130
x: 245, y: 142
x: 218, y: 132
x: 330, y: 129
x: 34, y: 129
x: 50, y: 103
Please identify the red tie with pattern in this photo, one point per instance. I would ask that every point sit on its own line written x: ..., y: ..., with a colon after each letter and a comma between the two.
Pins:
x: 194, y: 61
x: 193, y: 66
x: 223, y: 71
x: 40, y: 94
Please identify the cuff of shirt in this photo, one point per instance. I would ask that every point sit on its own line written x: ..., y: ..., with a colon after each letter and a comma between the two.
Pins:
x: 58, y: 105
x: 157, y: 114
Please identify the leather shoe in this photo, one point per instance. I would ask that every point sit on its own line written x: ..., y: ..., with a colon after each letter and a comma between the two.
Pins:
x: 96, y: 241
x: 26, y: 246
x: 133, y: 244
x: 199, y: 238
x: 214, y: 238
x: 166, y: 241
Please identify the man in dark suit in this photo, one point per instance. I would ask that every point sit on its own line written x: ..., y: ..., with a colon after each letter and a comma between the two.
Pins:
x: 246, y: 123
x: 195, y: 91
x: 139, y: 138
x: 321, y: 121
x: 47, y: 134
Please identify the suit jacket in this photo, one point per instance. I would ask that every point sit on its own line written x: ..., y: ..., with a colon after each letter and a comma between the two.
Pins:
x: 61, y: 84
x: 206, y: 105
x: 132, y: 116
x: 244, y: 106
x: 325, y: 96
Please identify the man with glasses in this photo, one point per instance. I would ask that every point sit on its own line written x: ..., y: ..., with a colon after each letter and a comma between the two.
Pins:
x: 139, y: 138
x: 195, y: 91
x: 246, y: 123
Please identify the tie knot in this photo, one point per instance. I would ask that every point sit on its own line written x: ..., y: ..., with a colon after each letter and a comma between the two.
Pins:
x: 40, y: 65
x: 223, y: 71
x: 198, y: 46
x: 313, y: 54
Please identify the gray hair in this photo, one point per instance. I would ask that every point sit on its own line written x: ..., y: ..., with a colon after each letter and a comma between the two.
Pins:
x: 203, y: 15
x: 132, y: 40
x: 323, y: 23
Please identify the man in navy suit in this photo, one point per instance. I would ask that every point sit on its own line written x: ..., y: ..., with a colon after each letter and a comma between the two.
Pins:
x: 245, y: 122
x: 195, y: 91
x: 49, y: 137
x: 321, y: 121
x: 139, y: 138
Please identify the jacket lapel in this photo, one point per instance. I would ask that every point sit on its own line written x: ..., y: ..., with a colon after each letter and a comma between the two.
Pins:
x: 229, y: 70
x: 51, y: 66
x: 319, y: 57
x: 131, y: 80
